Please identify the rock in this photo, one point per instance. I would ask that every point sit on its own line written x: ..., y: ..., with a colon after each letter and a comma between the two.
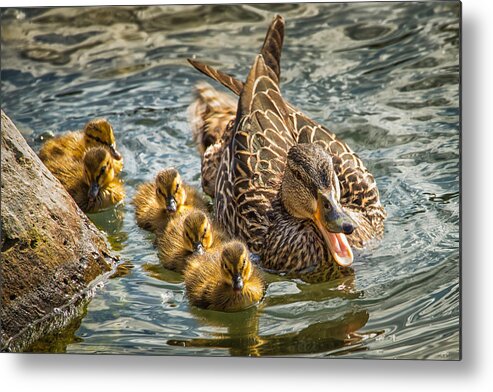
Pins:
x: 51, y: 252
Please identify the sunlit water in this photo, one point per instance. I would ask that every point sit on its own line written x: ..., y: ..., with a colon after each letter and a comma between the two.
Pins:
x: 383, y: 76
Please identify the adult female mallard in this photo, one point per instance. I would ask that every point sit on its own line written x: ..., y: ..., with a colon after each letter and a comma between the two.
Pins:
x: 166, y: 199
x: 225, y: 280
x: 96, y: 133
x: 256, y: 166
x: 91, y: 181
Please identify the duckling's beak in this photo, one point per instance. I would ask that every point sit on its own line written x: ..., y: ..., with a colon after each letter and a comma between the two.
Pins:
x: 334, y: 225
x: 93, y: 191
x: 114, y: 152
x: 198, y: 248
x: 171, y: 204
x: 237, y: 282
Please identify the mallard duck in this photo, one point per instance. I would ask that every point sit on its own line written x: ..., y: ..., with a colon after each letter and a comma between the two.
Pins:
x: 224, y: 280
x: 96, y: 133
x: 253, y: 168
x: 212, y: 113
x: 188, y: 235
x: 91, y: 181
x: 164, y: 200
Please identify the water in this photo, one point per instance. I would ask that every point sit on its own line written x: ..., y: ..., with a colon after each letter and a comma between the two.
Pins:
x: 383, y: 76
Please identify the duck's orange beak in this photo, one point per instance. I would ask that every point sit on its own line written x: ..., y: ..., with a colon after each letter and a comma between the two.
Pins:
x: 334, y: 224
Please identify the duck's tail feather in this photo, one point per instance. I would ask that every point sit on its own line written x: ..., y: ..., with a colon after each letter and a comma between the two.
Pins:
x: 272, y: 47
x: 226, y: 80
x: 271, y: 52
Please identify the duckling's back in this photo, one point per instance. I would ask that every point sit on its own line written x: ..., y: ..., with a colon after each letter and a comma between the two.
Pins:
x: 70, y: 144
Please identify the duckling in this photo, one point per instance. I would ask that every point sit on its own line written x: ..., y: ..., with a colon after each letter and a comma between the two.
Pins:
x: 96, y: 133
x: 190, y: 234
x: 224, y: 280
x: 209, y: 115
x: 158, y: 203
x: 91, y: 181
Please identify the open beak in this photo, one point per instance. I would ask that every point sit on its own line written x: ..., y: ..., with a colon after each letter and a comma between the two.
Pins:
x: 114, y: 152
x: 237, y: 283
x: 171, y: 204
x: 93, y: 191
x: 198, y: 248
x: 335, y: 225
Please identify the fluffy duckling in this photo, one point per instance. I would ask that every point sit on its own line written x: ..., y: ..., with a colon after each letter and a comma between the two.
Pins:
x: 209, y: 115
x: 158, y: 203
x: 189, y: 235
x: 224, y: 280
x: 96, y: 133
x: 91, y: 181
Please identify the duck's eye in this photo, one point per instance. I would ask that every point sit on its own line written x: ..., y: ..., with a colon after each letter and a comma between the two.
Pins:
x: 177, y: 187
x: 327, y: 205
x: 103, y: 169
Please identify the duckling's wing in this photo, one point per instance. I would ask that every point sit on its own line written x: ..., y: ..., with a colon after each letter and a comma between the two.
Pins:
x: 253, y: 163
x: 271, y: 51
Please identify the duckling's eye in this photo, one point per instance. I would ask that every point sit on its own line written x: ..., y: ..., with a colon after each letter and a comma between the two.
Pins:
x: 177, y: 187
x: 103, y: 169
x: 327, y: 205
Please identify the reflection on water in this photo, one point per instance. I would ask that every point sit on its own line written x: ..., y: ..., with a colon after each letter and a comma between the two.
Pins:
x: 383, y: 76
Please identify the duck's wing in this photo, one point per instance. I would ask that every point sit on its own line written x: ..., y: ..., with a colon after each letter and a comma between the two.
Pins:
x: 271, y: 52
x: 253, y: 163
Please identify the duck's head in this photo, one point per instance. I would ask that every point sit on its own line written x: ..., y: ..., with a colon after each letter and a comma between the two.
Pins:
x: 100, y: 131
x: 236, y: 267
x: 310, y: 190
x: 197, y: 232
x: 170, y: 191
x: 98, y: 171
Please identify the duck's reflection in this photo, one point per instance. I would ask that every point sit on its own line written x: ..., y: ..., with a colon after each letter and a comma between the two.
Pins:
x: 240, y: 334
x: 111, y: 222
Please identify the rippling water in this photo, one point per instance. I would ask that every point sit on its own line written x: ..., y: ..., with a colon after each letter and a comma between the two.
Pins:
x: 383, y: 76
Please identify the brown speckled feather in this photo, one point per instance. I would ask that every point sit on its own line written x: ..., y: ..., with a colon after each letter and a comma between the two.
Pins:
x: 253, y: 163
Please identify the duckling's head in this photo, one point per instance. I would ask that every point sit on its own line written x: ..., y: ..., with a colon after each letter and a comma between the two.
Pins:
x: 98, y: 171
x: 310, y: 190
x: 236, y: 266
x: 170, y: 191
x: 197, y: 232
x: 100, y: 131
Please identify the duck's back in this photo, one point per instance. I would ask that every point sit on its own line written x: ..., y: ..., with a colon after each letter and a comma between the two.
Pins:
x: 253, y: 163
